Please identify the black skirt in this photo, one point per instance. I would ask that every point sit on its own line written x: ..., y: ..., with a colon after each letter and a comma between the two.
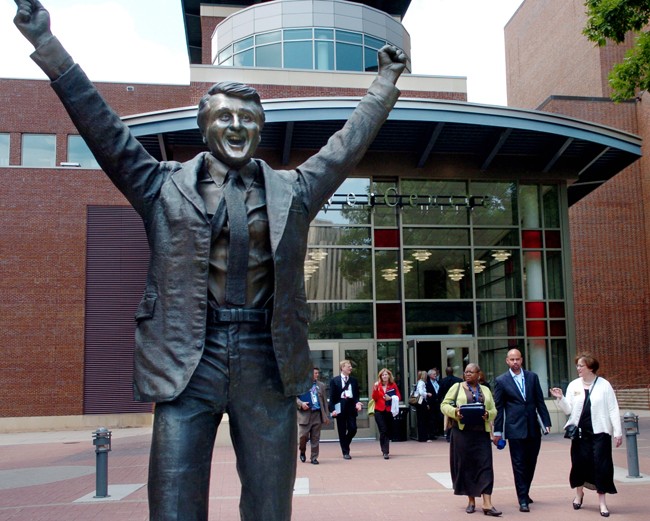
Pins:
x: 470, y: 461
x: 592, y: 466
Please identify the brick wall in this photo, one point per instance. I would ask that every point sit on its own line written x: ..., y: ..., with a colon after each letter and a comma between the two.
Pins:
x: 547, y: 54
x: 552, y: 66
x: 43, y: 238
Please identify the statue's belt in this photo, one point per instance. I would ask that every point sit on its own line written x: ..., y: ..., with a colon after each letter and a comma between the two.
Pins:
x: 256, y: 316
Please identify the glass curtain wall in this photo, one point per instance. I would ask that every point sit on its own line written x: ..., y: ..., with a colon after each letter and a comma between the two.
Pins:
x: 431, y: 257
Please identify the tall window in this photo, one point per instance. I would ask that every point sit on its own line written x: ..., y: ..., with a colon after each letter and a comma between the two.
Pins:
x: 78, y: 152
x: 38, y: 150
x: 4, y: 149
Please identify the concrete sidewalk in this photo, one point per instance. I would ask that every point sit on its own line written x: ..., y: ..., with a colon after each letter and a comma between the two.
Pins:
x: 51, y: 476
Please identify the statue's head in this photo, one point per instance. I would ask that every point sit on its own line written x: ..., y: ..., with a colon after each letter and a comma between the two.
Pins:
x: 231, y: 118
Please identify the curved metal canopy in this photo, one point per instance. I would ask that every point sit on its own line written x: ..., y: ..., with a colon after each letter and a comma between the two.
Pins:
x: 494, y: 139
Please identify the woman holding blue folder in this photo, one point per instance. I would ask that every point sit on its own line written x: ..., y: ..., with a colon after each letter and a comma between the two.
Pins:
x: 470, y: 407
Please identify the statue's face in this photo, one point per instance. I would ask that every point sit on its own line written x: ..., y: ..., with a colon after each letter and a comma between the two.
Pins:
x: 233, y: 129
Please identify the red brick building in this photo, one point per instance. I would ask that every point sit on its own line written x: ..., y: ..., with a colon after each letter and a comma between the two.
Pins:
x: 449, y: 243
x: 551, y: 66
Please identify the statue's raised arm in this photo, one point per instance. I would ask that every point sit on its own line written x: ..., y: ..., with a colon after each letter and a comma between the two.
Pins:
x: 33, y: 21
x: 392, y: 62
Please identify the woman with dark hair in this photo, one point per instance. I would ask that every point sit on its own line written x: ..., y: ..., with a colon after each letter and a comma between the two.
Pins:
x: 591, y: 405
x: 470, y: 452
x: 383, y: 392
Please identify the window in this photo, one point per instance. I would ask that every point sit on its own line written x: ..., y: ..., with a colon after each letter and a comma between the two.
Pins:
x: 38, y: 150
x: 304, y: 48
x: 78, y: 152
x: 4, y: 149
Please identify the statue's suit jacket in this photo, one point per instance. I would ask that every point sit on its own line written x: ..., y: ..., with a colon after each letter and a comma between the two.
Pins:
x: 516, y: 417
x: 171, y: 318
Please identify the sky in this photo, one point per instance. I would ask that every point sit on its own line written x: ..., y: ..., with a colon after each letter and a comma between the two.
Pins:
x: 143, y: 41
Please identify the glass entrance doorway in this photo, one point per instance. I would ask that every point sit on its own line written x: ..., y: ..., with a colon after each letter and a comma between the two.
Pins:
x: 424, y: 353
x: 326, y: 356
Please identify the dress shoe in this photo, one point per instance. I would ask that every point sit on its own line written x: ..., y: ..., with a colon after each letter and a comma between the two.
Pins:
x: 386, y: 456
x: 471, y: 508
x: 493, y: 512
x: 578, y: 506
x: 347, y: 456
x: 314, y: 461
x: 523, y: 507
x: 302, y: 457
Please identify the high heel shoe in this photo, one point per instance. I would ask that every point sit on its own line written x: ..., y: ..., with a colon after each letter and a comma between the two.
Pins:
x: 604, y: 513
x: 577, y: 506
x: 471, y: 508
x: 493, y: 512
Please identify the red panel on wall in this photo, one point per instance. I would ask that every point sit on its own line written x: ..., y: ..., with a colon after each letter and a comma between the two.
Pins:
x: 556, y: 309
x: 387, y: 238
x: 536, y: 327
x: 389, y: 321
x: 535, y: 310
x: 553, y: 239
x: 531, y: 239
x: 558, y: 328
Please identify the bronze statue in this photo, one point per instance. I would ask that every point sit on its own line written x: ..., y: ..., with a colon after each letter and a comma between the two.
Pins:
x: 222, y: 325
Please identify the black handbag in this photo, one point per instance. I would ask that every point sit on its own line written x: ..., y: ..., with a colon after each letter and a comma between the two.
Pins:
x: 571, y: 432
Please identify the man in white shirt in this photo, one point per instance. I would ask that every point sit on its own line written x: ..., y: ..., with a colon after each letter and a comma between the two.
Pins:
x: 344, y: 400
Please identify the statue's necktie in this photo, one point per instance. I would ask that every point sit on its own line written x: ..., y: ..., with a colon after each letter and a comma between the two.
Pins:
x: 238, y: 249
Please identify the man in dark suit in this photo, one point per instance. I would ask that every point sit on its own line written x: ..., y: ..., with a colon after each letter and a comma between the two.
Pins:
x: 312, y: 414
x: 433, y: 400
x: 345, y: 404
x: 216, y: 333
x: 445, y: 384
x: 521, y: 417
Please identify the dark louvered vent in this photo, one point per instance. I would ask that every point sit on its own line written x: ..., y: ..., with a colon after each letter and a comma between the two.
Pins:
x: 117, y: 258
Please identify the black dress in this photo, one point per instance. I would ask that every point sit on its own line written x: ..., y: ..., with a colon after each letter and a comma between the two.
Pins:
x: 592, y: 466
x: 470, y: 457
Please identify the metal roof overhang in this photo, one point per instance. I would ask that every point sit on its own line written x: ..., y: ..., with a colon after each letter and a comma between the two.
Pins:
x: 494, y: 139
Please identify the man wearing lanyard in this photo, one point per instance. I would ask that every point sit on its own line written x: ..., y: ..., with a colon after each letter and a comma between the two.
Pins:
x: 312, y: 413
x: 521, y: 417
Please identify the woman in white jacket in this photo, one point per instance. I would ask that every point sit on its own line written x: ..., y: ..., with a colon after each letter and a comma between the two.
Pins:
x: 591, y: 404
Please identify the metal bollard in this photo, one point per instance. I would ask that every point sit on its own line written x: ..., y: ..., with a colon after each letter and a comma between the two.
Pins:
x: 631, y: 425
x: 102, y: 443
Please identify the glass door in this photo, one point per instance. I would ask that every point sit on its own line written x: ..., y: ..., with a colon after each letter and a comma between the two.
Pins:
x: 440, y: 352
x: 327, y: 356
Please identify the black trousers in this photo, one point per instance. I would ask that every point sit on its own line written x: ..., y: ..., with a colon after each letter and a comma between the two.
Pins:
x: 384, y: 420
x: 346, y: 424
x: 523, y: 456
x: 237, y: 375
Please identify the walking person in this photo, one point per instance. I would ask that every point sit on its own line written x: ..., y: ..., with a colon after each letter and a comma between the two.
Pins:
x: 422, y: 408
x: 312, y: 414
x: 434, y: 397
x: 344, y: 400
x: 470, y: 451
x: 521, y: 416
x: 445, y: 384
x: 592, y: 407
x: 387, y: 396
